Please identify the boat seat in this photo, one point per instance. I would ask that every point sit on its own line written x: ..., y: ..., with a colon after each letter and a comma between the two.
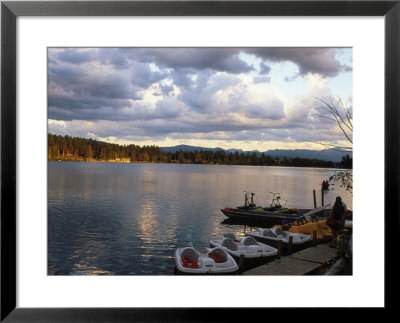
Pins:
x: 218, y: 255
x: 230, y: 236
x: 228, y: 243
x: 190, y: 254
x: 268, y: 233
x: 279, y: 232
x: 249, y: 241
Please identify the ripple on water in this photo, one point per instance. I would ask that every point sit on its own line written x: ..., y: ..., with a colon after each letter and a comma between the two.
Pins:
x: 113, y: 219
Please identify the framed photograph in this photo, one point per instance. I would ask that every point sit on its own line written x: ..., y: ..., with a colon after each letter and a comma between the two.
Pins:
x: 121, y: 120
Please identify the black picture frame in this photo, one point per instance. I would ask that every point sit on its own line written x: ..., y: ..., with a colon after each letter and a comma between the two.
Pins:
x: 10, y: 10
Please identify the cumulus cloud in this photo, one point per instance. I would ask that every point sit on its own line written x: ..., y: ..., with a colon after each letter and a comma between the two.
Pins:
x: 261, y: 79
x: 273, y: 109
x: 309, y: 60
x: 213, y: 93
x: 264, y: 68
x: 218, y: 59
x: 291, y: 78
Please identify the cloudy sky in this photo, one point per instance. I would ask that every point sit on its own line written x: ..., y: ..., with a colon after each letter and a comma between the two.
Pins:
x: 248, y: 98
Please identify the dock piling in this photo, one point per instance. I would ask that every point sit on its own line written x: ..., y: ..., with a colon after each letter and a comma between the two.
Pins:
x: 315, y: 199
x: 279, y: 247
x: 314, y: 238
x: 290, y: 245
x: 241, y: 263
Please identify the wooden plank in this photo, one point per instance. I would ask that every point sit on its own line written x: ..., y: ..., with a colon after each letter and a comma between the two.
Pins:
x: 321, y: 254
x: 283, y: 267
x: 298, y: 263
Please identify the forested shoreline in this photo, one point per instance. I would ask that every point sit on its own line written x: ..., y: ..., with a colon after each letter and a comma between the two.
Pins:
x: 66, y: 148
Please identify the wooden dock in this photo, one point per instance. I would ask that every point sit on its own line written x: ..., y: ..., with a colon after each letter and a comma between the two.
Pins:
x: 304, y: 262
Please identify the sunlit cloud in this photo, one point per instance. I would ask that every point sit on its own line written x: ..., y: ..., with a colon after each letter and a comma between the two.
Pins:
x: 167, y: 96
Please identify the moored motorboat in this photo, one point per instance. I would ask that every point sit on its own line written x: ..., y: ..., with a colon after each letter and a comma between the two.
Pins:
x: 258, y: 215
x: 280, y: 210
x: 204, y: 261
x: 248, y: 247
x: 273, y: 235
x: 274, y: 213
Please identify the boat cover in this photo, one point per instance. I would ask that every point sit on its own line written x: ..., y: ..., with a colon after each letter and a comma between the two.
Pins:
x: 323, y: 231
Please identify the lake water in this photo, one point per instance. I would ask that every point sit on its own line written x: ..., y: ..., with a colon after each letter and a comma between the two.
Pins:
x: 128, y: 219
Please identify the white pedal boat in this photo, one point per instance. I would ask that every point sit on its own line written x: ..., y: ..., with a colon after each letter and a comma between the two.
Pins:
x: 248, y: 246
x: 204, y: 261
x: 273, y: 235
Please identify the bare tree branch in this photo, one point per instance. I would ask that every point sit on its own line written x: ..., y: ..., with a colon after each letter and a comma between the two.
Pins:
x: 345, y: 123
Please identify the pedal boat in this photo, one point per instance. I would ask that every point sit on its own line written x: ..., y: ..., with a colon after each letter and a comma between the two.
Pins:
x: 248, y: 246
x: 203, y: 261
x: 273, y: 235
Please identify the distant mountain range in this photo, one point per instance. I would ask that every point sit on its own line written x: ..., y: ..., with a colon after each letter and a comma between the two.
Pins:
x: 327, y: 155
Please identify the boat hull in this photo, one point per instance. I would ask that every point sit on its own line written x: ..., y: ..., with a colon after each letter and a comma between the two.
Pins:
x: 179, y: 272
x: 299, y: 242
x: 247, y: 252
x: 285, y: 245
x: 264, y: 250
x: 250, y: 263
x: 260, y: 216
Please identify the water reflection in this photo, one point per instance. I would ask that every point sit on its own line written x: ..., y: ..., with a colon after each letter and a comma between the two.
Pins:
x: 128, y: 219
